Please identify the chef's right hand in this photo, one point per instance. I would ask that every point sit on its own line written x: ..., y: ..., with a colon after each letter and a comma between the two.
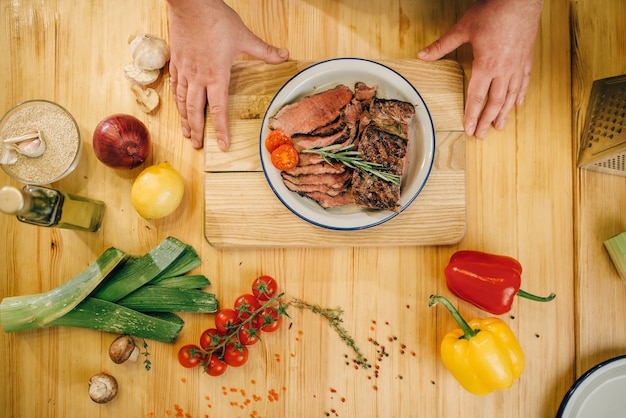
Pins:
x: 206, y: 36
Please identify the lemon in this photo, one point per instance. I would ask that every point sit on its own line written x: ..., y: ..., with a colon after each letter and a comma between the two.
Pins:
x: 157, y: 191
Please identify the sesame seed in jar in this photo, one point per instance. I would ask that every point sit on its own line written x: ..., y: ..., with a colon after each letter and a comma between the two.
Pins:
x: 58, y: 131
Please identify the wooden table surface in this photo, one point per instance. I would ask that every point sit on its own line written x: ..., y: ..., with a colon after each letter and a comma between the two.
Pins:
x: 525, y: 198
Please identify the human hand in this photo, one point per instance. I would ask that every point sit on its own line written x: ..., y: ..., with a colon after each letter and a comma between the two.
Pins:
x: 502, y: 34
x: 206, y: 36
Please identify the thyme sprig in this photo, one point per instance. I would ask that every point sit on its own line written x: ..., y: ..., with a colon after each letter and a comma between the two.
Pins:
x: 354, y: 159
x: 335, y: 321
x: 146, y: 363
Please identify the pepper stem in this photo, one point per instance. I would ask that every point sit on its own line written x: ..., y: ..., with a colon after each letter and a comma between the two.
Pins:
x: 468, y: 332
x: 536, y: 298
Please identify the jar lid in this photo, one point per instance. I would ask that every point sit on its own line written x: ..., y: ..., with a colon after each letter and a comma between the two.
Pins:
x: 11, y: 200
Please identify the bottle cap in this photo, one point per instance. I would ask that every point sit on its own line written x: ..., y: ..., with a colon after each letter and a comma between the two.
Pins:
x: 11, y: 200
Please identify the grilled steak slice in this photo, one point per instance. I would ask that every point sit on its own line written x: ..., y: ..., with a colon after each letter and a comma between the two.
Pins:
x: 305, y: 189
x: 393, y: 116
x: 363, y: 92
x: 382, y: 147
x: 320, y: 168
x: 327, y: 201
x: 301, y: 142
x: 332, y: 180
x: 332, y: 128
x: 311, y: 112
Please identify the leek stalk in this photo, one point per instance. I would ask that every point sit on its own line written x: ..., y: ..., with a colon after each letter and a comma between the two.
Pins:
x: 616, y: 247
x: 120, y: 293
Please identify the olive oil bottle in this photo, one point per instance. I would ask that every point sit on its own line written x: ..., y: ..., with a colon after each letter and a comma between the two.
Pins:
x: 44, y: 206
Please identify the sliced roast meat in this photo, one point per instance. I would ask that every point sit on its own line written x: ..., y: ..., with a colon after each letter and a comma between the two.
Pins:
x: 389, y: 150
x: 305, y: 159
x: 311, y: 112
x: 301, y: 142
x: 393, y: 116
x: 303, y: 189
x: 332, y: 128
x: 332, y: 180
x: 327, y: 201
x: 378, y: 128
x: 363, y: 92
x: 322, y: 167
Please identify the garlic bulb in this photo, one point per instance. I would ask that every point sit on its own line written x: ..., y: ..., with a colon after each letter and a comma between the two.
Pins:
x: 149, y: 52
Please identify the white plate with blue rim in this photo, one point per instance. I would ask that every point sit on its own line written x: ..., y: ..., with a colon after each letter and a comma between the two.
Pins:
x: 599, y: 393
x: 326, y: 75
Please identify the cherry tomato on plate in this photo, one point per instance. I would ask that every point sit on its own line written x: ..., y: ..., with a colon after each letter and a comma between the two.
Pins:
x: 269, y: 320
x: 226, y: 320
x: 245, y: 305
x: 285, y: 157
x: 275, y: 139
x: 214, y: 366
x: 264, y: 288
x: 210, y: 339
x: 235, y: 355
x: 190, y: 355
x: 248, y: 335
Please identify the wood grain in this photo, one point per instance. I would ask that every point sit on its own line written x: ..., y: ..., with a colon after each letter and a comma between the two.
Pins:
x: 599, y: 37
x: 242, y: 211
x: 520, y: 201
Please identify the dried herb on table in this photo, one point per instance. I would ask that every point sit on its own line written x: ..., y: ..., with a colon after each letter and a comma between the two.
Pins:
x: 335, y: 321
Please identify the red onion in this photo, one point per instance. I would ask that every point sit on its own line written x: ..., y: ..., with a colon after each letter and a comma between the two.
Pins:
x: 121, y: 141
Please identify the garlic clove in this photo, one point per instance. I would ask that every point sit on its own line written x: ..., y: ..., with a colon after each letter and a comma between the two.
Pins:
x: 139, y: 76
x: 149, y: 52
x: 8, y: 156
x: 30, y: 144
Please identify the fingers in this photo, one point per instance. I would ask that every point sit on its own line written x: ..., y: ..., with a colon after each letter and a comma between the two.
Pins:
x: 443, y: 46
x: 489, y: 102
x: 217, y: 94
x: 179, y: 92
x: 264, y: 51
x: 191, y: 102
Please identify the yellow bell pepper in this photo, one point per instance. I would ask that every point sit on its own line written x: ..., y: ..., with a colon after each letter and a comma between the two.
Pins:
x: 483, y: 355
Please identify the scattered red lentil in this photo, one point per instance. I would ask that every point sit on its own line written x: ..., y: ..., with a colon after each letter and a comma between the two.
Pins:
x: 184, y: 380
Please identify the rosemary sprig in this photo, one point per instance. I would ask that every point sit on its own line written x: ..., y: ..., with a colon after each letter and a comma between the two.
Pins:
x: 353, y: 158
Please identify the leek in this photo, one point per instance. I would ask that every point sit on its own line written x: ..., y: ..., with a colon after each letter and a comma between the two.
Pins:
x: 106, y: 316
x: 170, y: 258
x: 152, y: 298
x: 183, y: 282
x: 19, y: 313
x: 616, y: 247
x: 120, y: 293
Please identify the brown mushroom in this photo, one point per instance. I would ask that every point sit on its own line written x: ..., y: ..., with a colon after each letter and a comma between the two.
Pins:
x: 123, y: 348
x: 102, y: 388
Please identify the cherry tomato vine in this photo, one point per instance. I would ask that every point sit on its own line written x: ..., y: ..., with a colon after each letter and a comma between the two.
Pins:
x: 253, y: 314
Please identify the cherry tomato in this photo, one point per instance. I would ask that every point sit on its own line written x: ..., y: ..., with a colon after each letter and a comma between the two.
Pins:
x: 248, y: 335
x: 226, y: 320
x: 245, y: 305
x: 264, y: 288
x: 285, y: 157
x: 275, y: 139
x: 213, y: 366
x: 190, y: 355
x: 269, y: 320
x: 210, y: 339
x: 235, y: 355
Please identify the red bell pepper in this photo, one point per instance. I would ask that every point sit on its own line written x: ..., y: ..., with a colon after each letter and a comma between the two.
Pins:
x: 487, y: 281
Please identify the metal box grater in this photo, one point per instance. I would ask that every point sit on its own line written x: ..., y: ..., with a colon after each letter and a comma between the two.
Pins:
x: 604, y: 136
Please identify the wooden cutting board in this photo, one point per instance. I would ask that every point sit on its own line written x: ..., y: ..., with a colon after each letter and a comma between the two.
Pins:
x: 241, y: 210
